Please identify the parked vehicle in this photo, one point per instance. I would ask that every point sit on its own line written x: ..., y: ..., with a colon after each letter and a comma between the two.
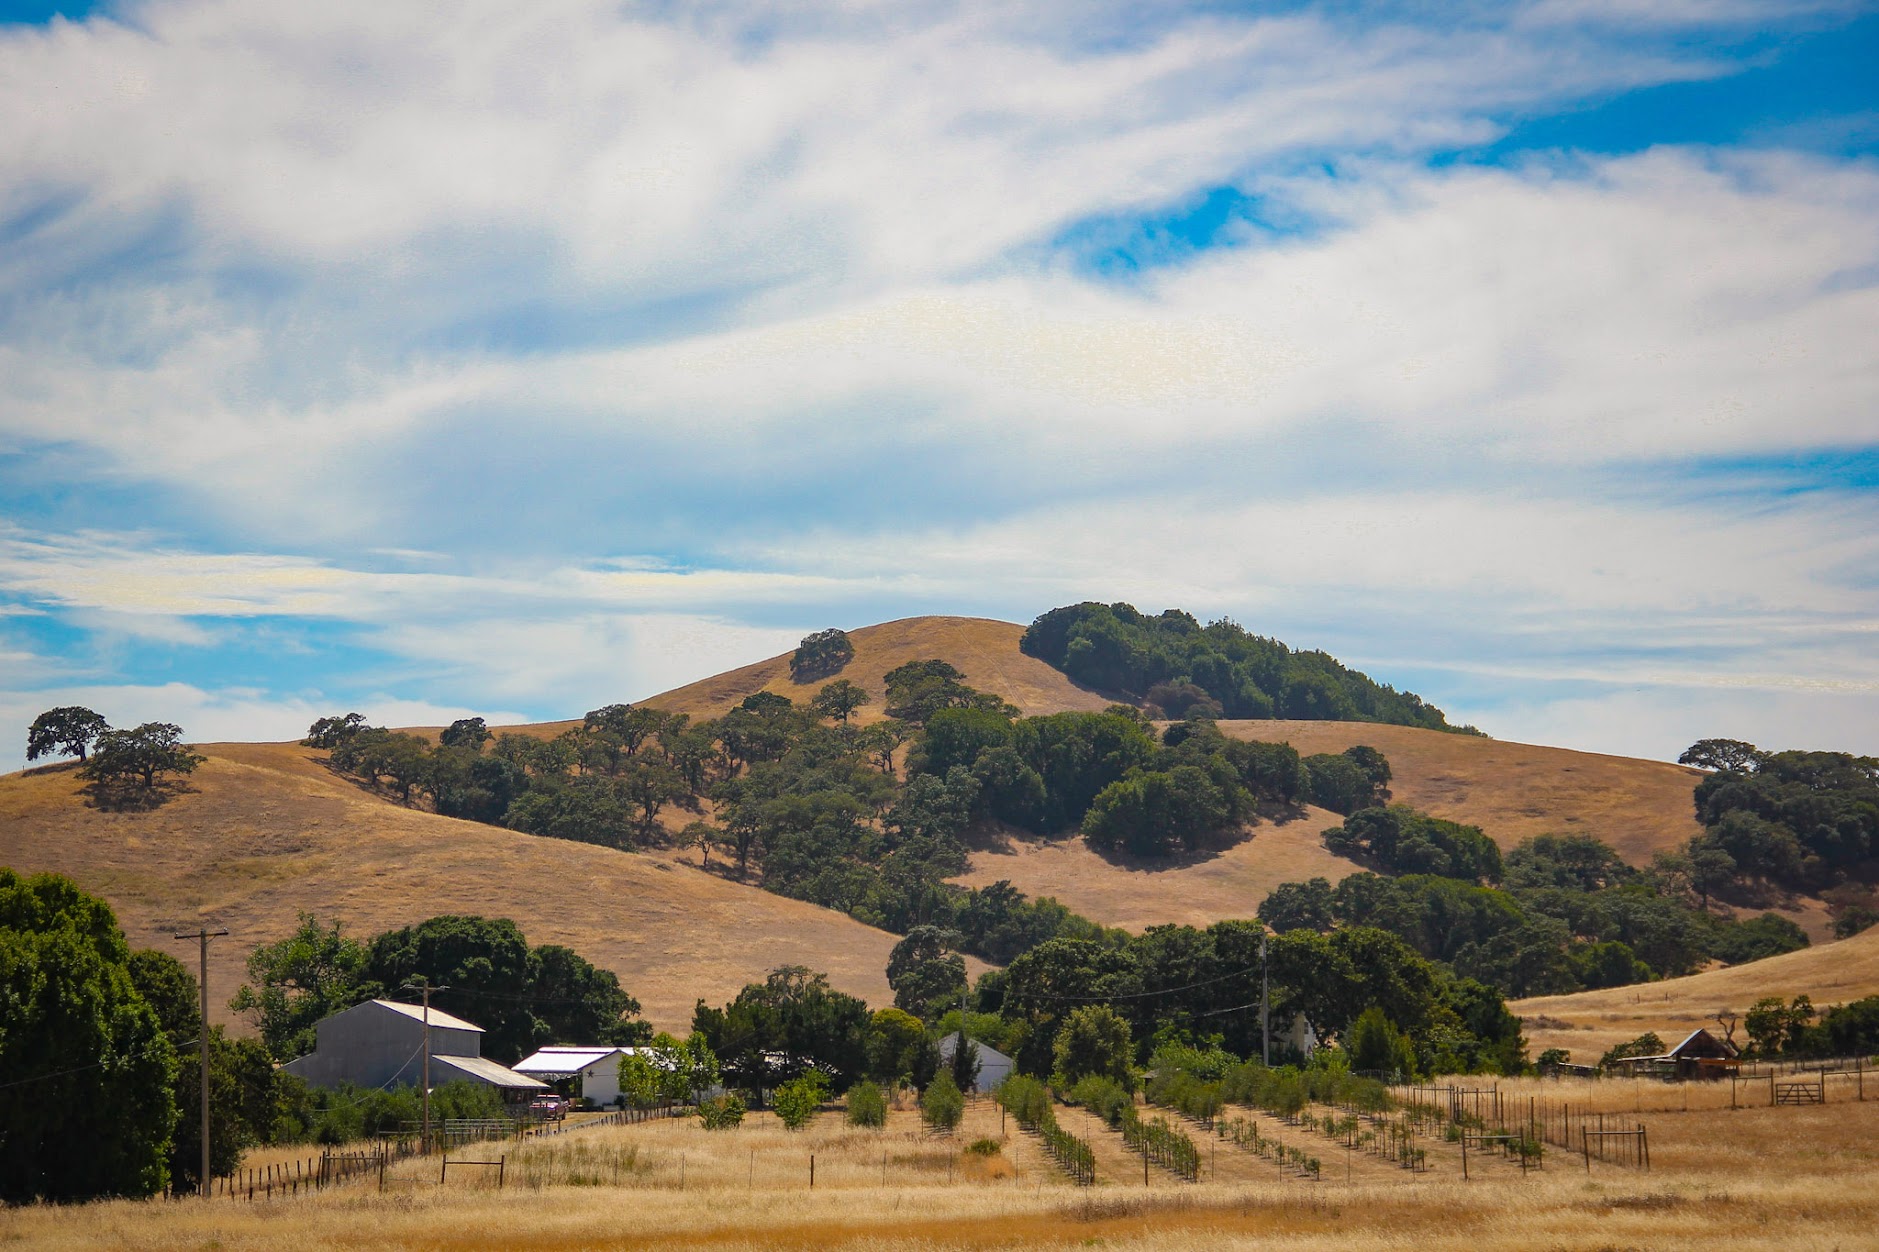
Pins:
x: 548, y: 1108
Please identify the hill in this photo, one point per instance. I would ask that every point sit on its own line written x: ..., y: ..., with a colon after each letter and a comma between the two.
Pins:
x: 267, y: 832
x: 1587, y: 1023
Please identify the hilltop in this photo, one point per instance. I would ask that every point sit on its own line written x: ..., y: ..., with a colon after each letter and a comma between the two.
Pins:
x: 267, y: 832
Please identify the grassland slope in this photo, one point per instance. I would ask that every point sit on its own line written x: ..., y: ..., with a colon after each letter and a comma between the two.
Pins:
x: 1514, y: 791
x: 1587, y: 1023
x: 266, y: 832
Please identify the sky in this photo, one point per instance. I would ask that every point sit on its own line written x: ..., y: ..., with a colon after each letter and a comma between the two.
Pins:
x: 517, y: 359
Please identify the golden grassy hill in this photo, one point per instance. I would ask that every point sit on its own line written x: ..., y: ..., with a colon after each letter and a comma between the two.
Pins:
x: 1514, y: 791
x: 267, y: 832
x: 1196, y: 890
x: 1587, y: 1023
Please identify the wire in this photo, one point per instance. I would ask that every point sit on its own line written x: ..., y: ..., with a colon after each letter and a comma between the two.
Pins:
x: 79, y: 1069
x: 1132, y: 995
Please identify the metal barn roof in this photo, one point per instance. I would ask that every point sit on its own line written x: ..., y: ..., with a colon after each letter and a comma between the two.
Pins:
x: 482, y: 1070
x: 562, y: 1062
x: 438, y: 1017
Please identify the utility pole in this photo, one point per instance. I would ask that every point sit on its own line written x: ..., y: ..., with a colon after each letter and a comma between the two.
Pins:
x: 202, y: 985
x: 1265, y: 1024
x: 425, y: 1073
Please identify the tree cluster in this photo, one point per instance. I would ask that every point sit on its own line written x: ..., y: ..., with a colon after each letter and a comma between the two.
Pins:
x: 523, y: 997
x: 115, y: 760
x: 1179, y: 665
x: 821, y: 655
x: 1569, y: 914
x: 1399, y: 840
x: 1777, y: 821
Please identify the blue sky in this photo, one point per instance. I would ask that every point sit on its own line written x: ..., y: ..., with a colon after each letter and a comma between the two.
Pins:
x: 538, y: 358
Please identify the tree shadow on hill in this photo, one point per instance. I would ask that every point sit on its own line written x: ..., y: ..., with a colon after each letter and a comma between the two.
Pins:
x: 133, y: 797
x: 1210, y: 846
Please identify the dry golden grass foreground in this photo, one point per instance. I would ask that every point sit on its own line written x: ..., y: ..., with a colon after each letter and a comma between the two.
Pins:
x: 1587, y: 1023
x: 1757, y: 1179
x: 266, y: 831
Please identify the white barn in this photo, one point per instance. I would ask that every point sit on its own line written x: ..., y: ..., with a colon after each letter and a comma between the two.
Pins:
x: 595, y: 1070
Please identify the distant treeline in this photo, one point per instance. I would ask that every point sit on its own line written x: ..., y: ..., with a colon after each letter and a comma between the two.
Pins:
x: 1178, y: 666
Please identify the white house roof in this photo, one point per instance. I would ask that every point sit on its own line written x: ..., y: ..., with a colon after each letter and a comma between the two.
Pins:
x: 438, y: 1017
x: 488, y: 1071
x: 561, y: 1062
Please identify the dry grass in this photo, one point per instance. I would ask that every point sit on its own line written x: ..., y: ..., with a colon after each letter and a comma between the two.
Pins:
x: 266, y: 832
x: 1588, y: 1022
x: 1194, y: 891
x: 1514, y: 791
x: 1757, y: 1179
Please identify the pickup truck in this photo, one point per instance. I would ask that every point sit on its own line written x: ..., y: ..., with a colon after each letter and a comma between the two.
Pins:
x: 548, y: 1108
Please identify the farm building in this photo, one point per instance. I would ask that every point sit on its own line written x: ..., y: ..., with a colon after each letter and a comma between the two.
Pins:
x: 592, y: 1072
x: 381, y: 1044
x: 1700, y: 1055
x: 994, y: 1066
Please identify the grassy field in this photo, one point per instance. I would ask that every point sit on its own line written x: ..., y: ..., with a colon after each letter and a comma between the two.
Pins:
x: 1587, y: 1023
x: 266, y: 831
x: 1787, y: 1178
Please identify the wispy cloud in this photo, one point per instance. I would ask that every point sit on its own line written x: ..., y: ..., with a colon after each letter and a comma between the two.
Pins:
x: 627, y: 340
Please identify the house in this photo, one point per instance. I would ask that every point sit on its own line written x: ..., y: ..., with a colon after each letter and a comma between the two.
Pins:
x: 1301, y: 1038
x: 1700, y: 1055
x: 994, y: 1066
x: 593, y: 1072
x: 380, y: 1043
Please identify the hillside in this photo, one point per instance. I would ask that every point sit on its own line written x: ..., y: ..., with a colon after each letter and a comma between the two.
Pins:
x: 1194, y: 891
x: 267, y: 832
x: 1587, y: 1023
x: 1514, y: 791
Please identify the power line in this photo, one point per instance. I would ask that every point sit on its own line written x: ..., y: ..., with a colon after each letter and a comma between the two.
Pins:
x: 79, y: 1069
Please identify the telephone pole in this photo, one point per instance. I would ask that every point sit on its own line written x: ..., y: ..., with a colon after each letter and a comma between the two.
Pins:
x: 425, y: 1073
x: 202, y: 985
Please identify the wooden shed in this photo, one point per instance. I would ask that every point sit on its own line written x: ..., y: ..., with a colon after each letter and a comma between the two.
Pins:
x: 1700, y: 1055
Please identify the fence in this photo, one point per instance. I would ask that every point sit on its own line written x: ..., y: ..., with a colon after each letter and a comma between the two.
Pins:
x: 1486, y: 1115
x: 313, y: 1173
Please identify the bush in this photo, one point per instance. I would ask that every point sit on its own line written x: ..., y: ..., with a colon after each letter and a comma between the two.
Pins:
x: 866, y: 1105
x: 985, y: 1147
x: 942, y: 1106
x: 798, y: 1099
x: 1104, y: 1097
x: 725, y: 1112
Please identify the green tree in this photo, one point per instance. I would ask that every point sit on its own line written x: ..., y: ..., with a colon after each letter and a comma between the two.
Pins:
x: 942, y: 1105
x: 313, y: 973
x: 899, y: 1049
x: 88, y: 1071
x: 797, y: 1100
x: 465, y: 732
x: 1094, y: 1040
x: 1298, y: 906
x: 866, y: 1106
x: 640, y: 1086
x: 65, y: 731
x: 1728, y: 756
x: 140, y: 754
x: 1377, y: 1047
x: 330, y: 732
x: 725, y: 1112
x: 925, y: 974
x: 839, y: 700
x: 821, y: 654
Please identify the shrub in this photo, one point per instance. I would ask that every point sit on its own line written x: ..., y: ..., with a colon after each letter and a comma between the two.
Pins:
x: 866, y: 1105
x: 797, y: 1100
x: 1104, y: 1097
x: 725, y: 1112
x: 985, y: 1147
x: 942, y: 1106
